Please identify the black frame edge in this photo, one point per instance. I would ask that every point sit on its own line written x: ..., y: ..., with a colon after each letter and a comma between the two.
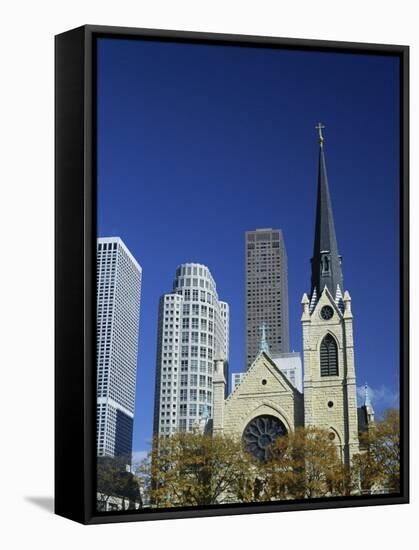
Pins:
x: 243, y: 39
x: 404, y: 269
x: 70, y: 448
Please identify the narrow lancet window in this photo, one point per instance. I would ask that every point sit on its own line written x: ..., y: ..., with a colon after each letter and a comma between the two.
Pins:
x: 328, y: 357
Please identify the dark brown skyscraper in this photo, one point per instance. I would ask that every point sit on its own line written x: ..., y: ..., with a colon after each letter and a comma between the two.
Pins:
x: 266, y: 292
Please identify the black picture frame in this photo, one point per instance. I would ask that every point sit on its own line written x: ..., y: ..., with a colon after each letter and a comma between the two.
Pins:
x: 75, y: 238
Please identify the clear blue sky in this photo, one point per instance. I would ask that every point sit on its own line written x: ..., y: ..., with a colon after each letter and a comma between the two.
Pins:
x: 199, y: 143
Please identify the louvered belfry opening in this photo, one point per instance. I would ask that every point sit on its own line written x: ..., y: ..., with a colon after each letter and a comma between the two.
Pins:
x: 328, y: 357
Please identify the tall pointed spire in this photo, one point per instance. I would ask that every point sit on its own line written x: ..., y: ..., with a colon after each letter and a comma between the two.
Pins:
x: 326, y: 263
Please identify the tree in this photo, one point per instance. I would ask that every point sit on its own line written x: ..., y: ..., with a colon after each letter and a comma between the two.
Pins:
x: 113, y: 480
x: 304, y: 464
x: 379, y: 465
x: 192, y: 469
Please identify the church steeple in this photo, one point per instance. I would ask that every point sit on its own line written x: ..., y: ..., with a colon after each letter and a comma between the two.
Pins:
x: 326, y: 263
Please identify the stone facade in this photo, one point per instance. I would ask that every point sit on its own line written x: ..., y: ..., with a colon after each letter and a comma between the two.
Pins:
x: 328, y: 402
x: 264, y: 390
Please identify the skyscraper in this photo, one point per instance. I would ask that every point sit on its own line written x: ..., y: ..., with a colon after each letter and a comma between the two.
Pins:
x: 118, y: 310
x: 193, y: 328
x: 266, y: 291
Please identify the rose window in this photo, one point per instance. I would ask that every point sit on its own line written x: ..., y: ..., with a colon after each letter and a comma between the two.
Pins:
x: 260, y: 433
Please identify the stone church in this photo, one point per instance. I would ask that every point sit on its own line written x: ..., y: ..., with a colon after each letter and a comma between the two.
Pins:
x: 265, y: 405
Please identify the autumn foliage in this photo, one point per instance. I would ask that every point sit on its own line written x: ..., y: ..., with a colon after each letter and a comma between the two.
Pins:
x: 196, y: 469
x: 379, y: 465
x: 192, y: 469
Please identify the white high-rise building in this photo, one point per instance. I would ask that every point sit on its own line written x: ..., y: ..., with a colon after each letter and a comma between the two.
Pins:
x: 118, y: 312
x: 291, y: 365
x: 236, y: 379
x: 193, y: 328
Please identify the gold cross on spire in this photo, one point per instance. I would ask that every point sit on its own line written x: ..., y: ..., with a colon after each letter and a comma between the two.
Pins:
x: 320, y: 127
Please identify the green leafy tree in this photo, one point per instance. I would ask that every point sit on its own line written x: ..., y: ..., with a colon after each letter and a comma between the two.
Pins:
x: 192, y: 469
x: 304, y: 464
x: 113, y: 480
x: 378, y: 466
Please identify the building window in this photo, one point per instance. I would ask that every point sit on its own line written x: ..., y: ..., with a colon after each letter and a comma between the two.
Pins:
x: 194, y: 365
x: 328, y: 356
x: 325, y: 264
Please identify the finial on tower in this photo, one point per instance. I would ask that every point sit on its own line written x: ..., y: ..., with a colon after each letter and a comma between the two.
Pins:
x: 367, y: 402
x: 369, y: 409
x: 320, y: 127
x: 263, y: 345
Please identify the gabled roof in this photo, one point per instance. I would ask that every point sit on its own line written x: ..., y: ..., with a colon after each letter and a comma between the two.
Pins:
x: 264, y: 360
x: 331, y: 300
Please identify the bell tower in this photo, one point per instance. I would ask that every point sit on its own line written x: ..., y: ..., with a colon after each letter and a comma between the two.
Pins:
x: 329, y: 369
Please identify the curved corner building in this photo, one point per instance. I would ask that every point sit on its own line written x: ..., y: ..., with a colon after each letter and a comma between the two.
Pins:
x: 193, y: 328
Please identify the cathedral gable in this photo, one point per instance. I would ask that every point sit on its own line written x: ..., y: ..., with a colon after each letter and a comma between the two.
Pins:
x: 326, y: 299
x: 263, y: 378
x: 264, y: 389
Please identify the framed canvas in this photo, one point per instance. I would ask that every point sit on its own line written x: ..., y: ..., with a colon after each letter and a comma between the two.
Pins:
x: 231, y: 274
